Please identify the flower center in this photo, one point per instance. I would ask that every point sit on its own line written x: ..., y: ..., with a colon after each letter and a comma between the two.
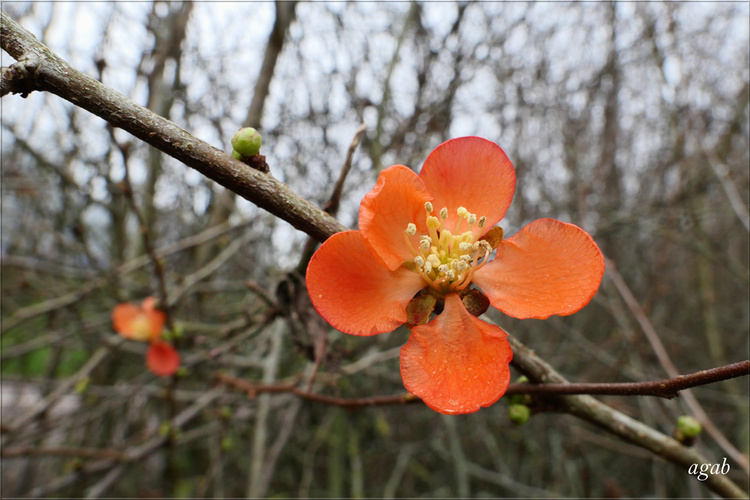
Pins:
x: 141, y: 328
x: 448, y: 259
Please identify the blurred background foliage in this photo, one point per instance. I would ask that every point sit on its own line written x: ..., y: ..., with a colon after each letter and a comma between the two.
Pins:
x: 629, y: 120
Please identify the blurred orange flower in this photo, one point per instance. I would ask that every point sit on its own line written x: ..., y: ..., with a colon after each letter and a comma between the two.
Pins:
x: 145, y: 323
x: 423, y: 241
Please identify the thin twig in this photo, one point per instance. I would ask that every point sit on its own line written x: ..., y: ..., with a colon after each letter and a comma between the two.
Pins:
x: 161, y: 279
x: 665, y: 388
x: 46, y: 71
x: 254, y: 390
x: 669, y: 367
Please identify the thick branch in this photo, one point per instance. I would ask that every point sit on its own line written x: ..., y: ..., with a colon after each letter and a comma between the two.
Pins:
x: 619, y: 424
x: 43, y: 70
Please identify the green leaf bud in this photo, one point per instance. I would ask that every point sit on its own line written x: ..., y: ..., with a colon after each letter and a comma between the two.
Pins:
x: 247, y: 141
x: 519, y: 414
x: 689, y: 426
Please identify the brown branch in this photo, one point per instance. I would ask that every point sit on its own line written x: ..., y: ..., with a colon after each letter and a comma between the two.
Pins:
x: 587, y: 408
x: 665, y: 388
x: 332, y: 207
x: 253, y: 390
x: 575, y: 403
x: 661, y: 353
x: 65, y: 451
x: 44, y: 70
x: 161, y: 279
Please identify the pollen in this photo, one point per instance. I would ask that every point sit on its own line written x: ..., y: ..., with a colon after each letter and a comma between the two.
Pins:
x: 448, y: 258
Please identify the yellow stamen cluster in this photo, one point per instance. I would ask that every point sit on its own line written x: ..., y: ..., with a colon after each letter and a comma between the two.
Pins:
x: 447, y: 260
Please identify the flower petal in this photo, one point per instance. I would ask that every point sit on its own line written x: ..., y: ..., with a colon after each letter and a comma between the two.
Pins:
x: 397, y: 199
x: 457, y: 363
x: 123, y: 317
x: 473, y: 173
x: 354, y: 292
x: 548, y: 267
x: 162, y: 359
x: 155, y: 317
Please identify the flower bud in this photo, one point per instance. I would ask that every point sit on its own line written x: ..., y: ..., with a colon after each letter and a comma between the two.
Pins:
x: 247, y: 141
x: 687, y: 430
x: 689, y: 426
x: 519, y: 414
x: 236, y: 155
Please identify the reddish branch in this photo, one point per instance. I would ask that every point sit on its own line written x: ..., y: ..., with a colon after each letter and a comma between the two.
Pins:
x: 666, y: 388
x: 253, y: 390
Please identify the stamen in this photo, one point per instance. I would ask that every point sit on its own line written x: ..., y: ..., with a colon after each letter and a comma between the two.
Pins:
x: 448, y: 260
x: 433, y: 224
x: 433, y: 260
x: 425, y: 242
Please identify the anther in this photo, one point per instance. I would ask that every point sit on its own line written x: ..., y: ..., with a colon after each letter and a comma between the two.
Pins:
x: 411, y: 229
x: 482, y: 221
x: 428, y: 207
x: 419, y: 260
x: 444, y: 213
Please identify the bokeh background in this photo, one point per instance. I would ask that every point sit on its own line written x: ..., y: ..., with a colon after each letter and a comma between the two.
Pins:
x: 628, y: 119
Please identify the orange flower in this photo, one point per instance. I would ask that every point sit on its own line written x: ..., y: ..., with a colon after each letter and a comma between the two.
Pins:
x: 145, y: 323
x: 424, y: 240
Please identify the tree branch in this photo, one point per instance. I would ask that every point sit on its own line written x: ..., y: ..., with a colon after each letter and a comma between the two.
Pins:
x: 665, y: 388
x: 580, y: 405
x: 41, y: 69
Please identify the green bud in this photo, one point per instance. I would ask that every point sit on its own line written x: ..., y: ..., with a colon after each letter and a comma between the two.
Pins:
x: 236, y: 155
x: 227, y: 444
x: 247, y: 141
x: 164, y: 429
x: 82, y: 385
x: 179, y: 330
x: 689, y: 426
x: 519, y: 414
